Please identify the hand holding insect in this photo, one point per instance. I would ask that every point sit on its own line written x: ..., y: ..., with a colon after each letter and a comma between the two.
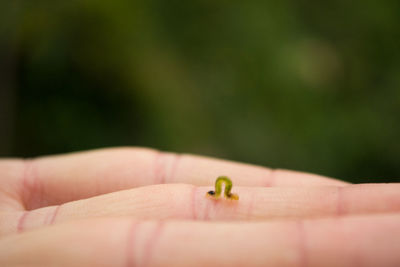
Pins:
x: 140, y: 207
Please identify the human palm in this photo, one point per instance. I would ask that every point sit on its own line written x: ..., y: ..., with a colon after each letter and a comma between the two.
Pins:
x: 140, y: 207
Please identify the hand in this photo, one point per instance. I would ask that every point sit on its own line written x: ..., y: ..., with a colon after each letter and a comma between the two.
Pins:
x: 139, y: 207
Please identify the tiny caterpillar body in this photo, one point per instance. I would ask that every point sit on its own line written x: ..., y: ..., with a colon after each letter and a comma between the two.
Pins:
x: 218, y: 188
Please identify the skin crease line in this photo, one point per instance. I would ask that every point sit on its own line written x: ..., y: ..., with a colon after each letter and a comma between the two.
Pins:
x: 218, y: 189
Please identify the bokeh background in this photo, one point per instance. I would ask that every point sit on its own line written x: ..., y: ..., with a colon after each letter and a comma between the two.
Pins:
x: 305, y: 85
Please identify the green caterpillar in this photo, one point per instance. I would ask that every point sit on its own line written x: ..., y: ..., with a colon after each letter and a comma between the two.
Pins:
x: 218, y: 188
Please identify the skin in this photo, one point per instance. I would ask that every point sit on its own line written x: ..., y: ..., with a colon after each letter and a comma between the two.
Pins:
x: 141, y: 207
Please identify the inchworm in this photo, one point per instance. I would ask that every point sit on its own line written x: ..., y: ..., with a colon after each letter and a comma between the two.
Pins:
x: 218, y: 188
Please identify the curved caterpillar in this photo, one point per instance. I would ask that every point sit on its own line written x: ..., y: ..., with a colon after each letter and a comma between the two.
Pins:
x: 218, y: 188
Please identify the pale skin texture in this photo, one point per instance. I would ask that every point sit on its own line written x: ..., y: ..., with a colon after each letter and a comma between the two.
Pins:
x: 141, y: 207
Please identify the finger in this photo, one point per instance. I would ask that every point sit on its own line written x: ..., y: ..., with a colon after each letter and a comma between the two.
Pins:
x: 59, y: 179
x: 349, y: 241
x: 178, y: 201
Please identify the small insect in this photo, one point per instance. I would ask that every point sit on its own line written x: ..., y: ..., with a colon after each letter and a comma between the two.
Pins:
x: 218, y: 189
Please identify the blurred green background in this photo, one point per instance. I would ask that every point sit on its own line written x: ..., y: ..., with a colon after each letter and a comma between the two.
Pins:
x: 304, y: 85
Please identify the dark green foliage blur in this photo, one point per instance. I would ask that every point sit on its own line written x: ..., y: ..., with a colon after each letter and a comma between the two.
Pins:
x: 304, y: 85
